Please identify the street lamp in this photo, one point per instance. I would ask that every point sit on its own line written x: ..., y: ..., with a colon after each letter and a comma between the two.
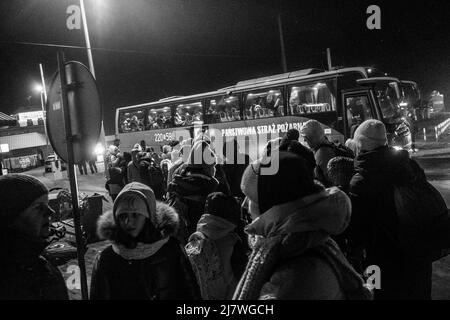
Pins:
x: 40, y: 89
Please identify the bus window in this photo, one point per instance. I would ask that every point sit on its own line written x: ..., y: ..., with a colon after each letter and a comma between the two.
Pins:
x: 223, y: 109
x: 264, y: 104
x: 160, y: 118
x: 388, y: 96
x: 312, y: 98
x: 358, y: 111
x: 131, y: 120
x: 187, y: 114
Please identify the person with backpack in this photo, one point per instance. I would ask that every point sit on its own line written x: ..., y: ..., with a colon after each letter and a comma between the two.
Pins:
x: 190, y: 186
x: 216, y: 251
x: 144, y: 260
x: 293, y: 255
x: 380, y: 226
x: 152, y: 175
x: 324, y: 150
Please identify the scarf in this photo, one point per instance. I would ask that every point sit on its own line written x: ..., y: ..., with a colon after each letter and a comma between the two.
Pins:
x: 142, y: 250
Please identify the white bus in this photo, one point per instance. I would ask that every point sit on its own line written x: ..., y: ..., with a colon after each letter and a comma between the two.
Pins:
x: 339, y: 99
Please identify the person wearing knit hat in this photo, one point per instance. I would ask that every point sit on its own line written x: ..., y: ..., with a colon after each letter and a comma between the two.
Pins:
x: 376, y: 223
x: 24, y: 231
x: 293, y: 217
x: 340, y: 171
x: 324, y: 150
x: 219, y: 266
x: 370, y: 135
x: 144, y: 260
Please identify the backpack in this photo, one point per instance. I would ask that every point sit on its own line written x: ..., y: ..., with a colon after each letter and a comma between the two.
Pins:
x: 423, y: 219
x: 190, y: 209
x: 340, y: 149
x: 208, y: 268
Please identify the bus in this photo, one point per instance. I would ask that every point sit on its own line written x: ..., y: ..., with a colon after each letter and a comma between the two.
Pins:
x: 256, y: 110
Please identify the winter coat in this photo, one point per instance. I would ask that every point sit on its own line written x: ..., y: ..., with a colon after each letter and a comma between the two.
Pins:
x: 323, y: 154
x: 229, y: 246
x: 293, y: 256
x: 165, y: 275
x: 134, y: 173
x: 374, y: 223
x: 26, y: 274
x: 187, y: 194
x: 234, y: 172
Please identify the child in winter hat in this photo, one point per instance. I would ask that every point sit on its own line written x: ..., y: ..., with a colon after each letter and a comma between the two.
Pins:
x: 370, y: 135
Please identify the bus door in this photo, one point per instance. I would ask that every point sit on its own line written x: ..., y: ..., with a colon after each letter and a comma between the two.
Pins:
x: 357, y: 107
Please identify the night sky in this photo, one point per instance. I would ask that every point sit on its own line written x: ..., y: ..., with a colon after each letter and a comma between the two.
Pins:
x: 147, y: 50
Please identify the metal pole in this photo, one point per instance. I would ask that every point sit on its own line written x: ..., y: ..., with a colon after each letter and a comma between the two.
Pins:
x: 72, y: 175
x: 91, y: 68
x: 283, y: 53
x: 329, y: 58
x: 43, y: 102
x: 45, y: 120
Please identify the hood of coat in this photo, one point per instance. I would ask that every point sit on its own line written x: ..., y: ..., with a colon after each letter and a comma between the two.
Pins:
x: 385, y: 163
x: 327, y: 211
x: 214, y: 227
x: 140, y: 190
x: 166, y: 220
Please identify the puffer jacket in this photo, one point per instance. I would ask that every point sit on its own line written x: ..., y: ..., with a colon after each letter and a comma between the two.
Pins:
x: 374, y: 223
x: 165, y: 275
x: 25, y: 273
x: 294, y: 257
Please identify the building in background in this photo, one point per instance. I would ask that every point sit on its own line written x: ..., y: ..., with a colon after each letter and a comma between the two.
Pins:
x: 23, y: 137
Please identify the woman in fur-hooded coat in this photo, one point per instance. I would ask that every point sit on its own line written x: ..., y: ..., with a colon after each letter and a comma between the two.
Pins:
x: 144, y: 260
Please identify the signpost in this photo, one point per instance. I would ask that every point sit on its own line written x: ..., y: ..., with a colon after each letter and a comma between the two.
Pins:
x: 73, y: 125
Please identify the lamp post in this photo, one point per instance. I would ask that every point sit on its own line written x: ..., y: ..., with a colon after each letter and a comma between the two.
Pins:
x: 40, y: 89
x: 91, y: 68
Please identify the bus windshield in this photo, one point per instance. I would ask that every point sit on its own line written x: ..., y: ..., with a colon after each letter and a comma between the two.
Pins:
x: 388, y: 96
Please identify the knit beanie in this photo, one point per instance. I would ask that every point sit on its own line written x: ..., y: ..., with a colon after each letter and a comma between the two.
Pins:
x: 370, y: 134
x: 292, y: 181
x: 223, y: 206
x: 312, y: 129
x: 17, y: 192
x: 340, y: 171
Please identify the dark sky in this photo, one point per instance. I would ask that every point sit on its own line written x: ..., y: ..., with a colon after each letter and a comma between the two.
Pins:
x: 149, y: 49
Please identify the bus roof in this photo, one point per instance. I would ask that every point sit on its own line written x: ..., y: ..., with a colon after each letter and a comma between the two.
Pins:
x: 259, y: 82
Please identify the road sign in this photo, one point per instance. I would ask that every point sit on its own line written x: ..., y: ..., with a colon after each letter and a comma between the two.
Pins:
x: 84, y: 110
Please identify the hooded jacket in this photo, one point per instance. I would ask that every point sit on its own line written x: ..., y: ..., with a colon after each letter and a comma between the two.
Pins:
x: 374, y: 223
x: 165, y: 274
x: 293, y: 256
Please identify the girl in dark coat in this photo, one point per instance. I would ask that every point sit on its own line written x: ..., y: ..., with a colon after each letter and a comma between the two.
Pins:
x: 144, y: 261
x: 25, y: 273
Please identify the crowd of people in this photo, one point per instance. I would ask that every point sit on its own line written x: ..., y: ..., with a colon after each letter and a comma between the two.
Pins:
x: 188, y: 224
